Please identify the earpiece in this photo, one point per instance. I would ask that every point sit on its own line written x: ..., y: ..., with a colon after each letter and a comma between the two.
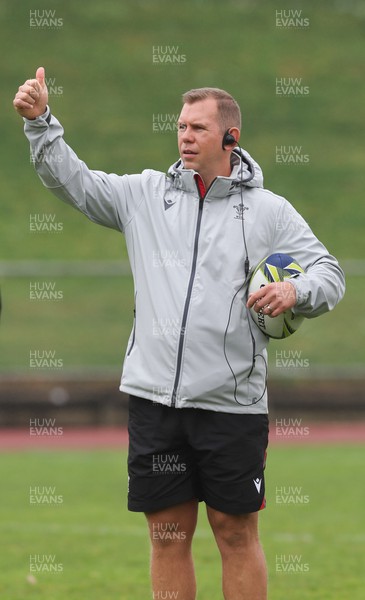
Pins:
x: 228, y: 139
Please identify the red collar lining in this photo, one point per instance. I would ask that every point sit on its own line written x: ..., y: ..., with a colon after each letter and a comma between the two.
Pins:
x: 201, y: 186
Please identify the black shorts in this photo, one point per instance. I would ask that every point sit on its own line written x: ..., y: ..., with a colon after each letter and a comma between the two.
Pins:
x: 176, y: 455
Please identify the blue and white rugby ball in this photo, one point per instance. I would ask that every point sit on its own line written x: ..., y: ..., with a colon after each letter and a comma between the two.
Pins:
x: 274, y: 268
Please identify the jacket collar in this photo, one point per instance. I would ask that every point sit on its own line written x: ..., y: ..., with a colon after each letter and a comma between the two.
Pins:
x: 245, y: 172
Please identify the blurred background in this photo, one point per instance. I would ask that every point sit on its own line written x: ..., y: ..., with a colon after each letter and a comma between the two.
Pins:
x: 116, y: 72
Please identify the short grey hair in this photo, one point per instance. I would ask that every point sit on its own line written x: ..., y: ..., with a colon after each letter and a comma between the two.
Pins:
x: 229, y: 112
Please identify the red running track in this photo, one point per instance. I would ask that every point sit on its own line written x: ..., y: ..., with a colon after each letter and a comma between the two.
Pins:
x: 70, y: 438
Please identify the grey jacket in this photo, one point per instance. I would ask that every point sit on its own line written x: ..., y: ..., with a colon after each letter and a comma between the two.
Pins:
x: 193, y: 343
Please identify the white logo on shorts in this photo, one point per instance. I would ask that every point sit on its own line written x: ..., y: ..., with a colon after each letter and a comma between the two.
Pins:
x: 257, y: 483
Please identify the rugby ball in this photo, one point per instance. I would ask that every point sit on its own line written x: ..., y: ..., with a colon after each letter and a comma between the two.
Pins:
x: 274, y: 268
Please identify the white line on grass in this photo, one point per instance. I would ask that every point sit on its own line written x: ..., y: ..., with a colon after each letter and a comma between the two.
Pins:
x: 84, y: 529
x: 105, y: 530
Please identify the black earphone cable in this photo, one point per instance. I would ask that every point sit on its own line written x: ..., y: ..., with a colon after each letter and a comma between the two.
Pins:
x: 232, y: 140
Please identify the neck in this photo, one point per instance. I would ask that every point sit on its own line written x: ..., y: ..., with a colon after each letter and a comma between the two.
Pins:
x: 208, y: 176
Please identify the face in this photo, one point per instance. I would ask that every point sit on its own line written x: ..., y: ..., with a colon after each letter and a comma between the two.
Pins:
x: 200, y: 139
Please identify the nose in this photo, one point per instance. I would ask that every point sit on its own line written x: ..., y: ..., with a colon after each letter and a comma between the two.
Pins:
x: 187, y: 135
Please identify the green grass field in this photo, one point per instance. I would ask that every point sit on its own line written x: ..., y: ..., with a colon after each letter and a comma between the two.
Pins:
x: 102, y: 550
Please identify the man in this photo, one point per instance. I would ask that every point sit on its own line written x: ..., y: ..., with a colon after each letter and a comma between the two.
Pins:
x: 198, y: 405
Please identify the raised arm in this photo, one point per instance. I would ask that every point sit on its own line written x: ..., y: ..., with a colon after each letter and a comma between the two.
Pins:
x: 107, y: 199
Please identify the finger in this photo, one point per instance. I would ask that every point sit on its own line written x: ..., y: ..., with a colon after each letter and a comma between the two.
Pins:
x: 27, y: 89
x: 20, y: 104
x: 32, y: 91
x: 250, y: 301
x: 41, y: 76
x: 261, y: 307
x: 277, y: 311
x: 256, y: 304
x: 257, y: 308
x: 32, y: 84
x: 271, y: 311
x: 26, y: 97
x: 256, y: 297
x: 263, y: 302
x: 27, y: 92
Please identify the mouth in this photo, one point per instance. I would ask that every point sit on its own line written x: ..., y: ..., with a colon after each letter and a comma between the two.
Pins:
x: 188, y: 153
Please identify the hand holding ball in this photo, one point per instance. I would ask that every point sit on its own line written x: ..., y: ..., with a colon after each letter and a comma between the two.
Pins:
x: 269, y: 316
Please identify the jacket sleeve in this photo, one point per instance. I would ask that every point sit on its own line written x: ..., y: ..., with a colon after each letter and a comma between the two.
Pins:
x: 322, y: 285
x: 107, y: 199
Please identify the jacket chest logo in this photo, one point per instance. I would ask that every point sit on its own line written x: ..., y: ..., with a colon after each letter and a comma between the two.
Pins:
x: 240, y: 209
x: 168, y: 203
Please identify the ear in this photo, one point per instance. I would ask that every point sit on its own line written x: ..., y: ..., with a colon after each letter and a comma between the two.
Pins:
x: 235, y: 132
x: 230, y: 138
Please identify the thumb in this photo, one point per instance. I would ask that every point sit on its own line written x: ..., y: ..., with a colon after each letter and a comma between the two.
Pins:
x: 40, y: 76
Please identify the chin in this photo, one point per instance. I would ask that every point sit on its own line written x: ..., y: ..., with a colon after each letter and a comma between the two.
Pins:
x: 190, y: 164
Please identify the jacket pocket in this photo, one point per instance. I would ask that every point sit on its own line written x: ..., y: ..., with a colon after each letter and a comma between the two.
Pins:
x: 134, y: 327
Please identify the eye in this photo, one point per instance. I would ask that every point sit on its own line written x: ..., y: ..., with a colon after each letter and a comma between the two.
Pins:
x: 182, y: 127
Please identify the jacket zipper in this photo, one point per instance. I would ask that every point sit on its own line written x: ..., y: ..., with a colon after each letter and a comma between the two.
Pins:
x: 187, y: 303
